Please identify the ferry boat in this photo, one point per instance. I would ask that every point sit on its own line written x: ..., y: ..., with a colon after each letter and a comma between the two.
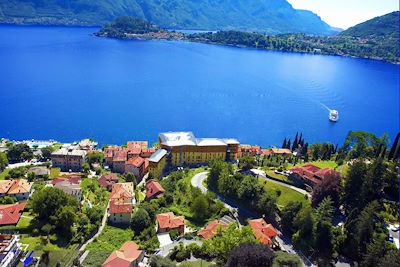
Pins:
x: 333, y: 115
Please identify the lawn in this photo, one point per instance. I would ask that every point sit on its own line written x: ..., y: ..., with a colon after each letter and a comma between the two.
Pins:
x: 140, y: 196
x: 4, y: 174
x: 274, y: 175
x: 25, y: 221
x: 286, y: 195
x: 320, y: 164
x: 54, y: 172
x: 111, y: 239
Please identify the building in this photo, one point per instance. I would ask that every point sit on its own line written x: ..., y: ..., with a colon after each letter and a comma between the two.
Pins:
x: 248, y: 150
x: 10, y: 251
x: 312, y: 175
x: 122, y: 200
x: 40, y: 172
x: 153, y: 190
x: 212, y: 229
x: 136, y: 166
x: 68, y: 159
x: 265, y: 233
x: 75, y: 179
x: 108, y: 180
x: 185, y: 149
x: 167, y: 222
x: 10, y: 214
x: 128, y: 255
x: 71, y: 189
x: 87, y: 145
x: 118, y: 161
x: 157, y: 163
x: 19, y: 188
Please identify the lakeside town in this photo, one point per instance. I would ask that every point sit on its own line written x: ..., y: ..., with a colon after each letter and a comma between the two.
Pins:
x: 192, y: 201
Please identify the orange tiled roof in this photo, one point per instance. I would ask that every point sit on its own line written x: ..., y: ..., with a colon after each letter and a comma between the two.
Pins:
x: 122, y: 191
x: 73, y: 179
x: 108, y: 179
x: 153, y: 188
x: 280, y: 151
x: 20, y: 186
x: 120, y: 208
x: 211, y: 230
x: 136, y: 162
x: 5, y: 186
x: 125, y: 256
x: 169, y: 221
x: 262, y: 231
x: 120, y: 155
x: 137, y: 144
x: 10, y: 214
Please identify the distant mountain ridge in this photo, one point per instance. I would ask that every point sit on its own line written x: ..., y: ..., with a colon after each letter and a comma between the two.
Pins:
x: 268, y: 16
x: 386, y: 26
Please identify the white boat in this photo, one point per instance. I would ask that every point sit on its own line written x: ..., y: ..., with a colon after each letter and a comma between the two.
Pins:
x: 333, y: 115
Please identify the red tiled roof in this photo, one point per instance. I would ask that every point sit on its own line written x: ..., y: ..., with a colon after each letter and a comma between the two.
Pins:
x: 134, y: 151
x: 5, y: 186
x: 262, y: 231
x: 108, y: 179
x: 266, y: 152
x: 146, y: 153
x: 211, y: 230
x: 120, y: 208
x: 136, y: 162
x: 312, y: 174
x: 120, y: 192
x: 281, y: 151
x: 10, y: 214
x: 121, y: 155
x: 169, y: 221
x: 153, y: 188
x: 125, y: 256
x: 137, y: 144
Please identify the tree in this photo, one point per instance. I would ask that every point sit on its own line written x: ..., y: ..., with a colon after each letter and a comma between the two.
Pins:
x: 249, y: 189
x: 304, y: 223
x: 200, y: 208
x: 376, y: 250
x: 19, y: 152
x: 288, y: 214
x: 3, y: 161
x: 8, y: 200
x: 355, y: 177
x: 283, y: 259
x: 284, y: 143
x: 250, y: 255
x: 66, y: 216
x: 329, y: 187
x: 267, y: 205
x: 247, y: 163
x: 158, y: 261
x: 324, y: 239
x: 394, y: 147
x: 95, y: 157
x: 295, y: 143
x: 46, y: 152
x: 392, y: 258
x: 140, y: 220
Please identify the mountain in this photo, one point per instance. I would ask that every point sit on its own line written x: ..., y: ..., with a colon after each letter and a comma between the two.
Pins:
x: 269, y: 16
x: 386, y: 26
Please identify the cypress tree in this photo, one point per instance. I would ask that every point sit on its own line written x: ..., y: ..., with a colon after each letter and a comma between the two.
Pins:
x: 378, y: 151
x: 284, y: 143
x: 336, y: 148
x: 301, y: 138
x: 394, y: 146
x: 288, y: 144
x: 397, y: 153
x: 296, y: 140
x: 384, y: 152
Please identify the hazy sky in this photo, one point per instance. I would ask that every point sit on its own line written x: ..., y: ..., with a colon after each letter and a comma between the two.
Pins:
x: 347, y: 13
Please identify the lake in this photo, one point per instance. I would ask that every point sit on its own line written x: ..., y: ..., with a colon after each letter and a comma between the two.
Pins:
x: 63, y: 83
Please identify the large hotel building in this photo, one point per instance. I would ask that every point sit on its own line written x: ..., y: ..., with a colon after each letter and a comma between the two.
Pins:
x: 185, y: 149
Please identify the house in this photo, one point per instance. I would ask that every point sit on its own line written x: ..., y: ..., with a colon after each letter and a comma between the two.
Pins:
x: 312, y: 175
x: 19, y: 188
x: 68, y: 159
x: 10, y: 214
x: 212, y: 229
x: 128, y: 255
x: 248, y: 150
x: 87, y: 144
x: 10, y: 251
x: 109, y: 154
x: 157, y: 163
x: 168, y: 222
x: 40, y: 172
x: 71, y: 189
x: 185, y: 149
x: 121, y: 203
x: 282, y: 152
x: 153, y: 190
x: 263, y: 232
x: 120, y: 212
x: 118, y: 162
x: 74, y: 179
x: 136, y: 166
x: 108, y: 180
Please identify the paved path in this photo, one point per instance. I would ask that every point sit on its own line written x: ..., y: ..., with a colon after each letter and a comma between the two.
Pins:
x: 261, y: 174
x: 23, y: 164
x: 101, y: 228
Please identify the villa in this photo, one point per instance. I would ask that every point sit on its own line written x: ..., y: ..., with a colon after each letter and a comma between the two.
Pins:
x: 167, y: 222
x: 312, y: 175
x: 10, y: 214
x: 108, y: 180
x: 122, y: 200
x: 263, y: 232
x: 212, y: 229
x: 153, y: 190
x: 185, y: 149
x: 19, y: 188
x: 129, y: 255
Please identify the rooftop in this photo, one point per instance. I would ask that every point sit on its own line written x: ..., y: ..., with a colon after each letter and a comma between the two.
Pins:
x: 125, y: 256
x: 10, y: 214
x: 153, y: 188
x: 169, y: 220
x: 262, y: 231
x: 173, y: 139
x: 158, y: 155
x: 69, y: 152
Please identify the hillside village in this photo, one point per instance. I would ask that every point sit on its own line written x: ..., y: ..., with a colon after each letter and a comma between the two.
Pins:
x: 197, y: 202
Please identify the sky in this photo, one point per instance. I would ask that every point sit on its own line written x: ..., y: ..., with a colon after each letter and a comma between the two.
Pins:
x: 347, y: 13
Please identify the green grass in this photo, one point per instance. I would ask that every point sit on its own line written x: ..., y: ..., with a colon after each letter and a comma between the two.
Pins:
x: 25, y: 221
x: 140, y: 196
x: 111, y: 239
x: 54, y: 172
x: 286, y: 195
x: 320, y: 164
x: 4, y: 174
x: 274, y: 175
x: 199, y: 263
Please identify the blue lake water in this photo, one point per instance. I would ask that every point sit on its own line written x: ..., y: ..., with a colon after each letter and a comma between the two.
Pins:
x: 63, y: 83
